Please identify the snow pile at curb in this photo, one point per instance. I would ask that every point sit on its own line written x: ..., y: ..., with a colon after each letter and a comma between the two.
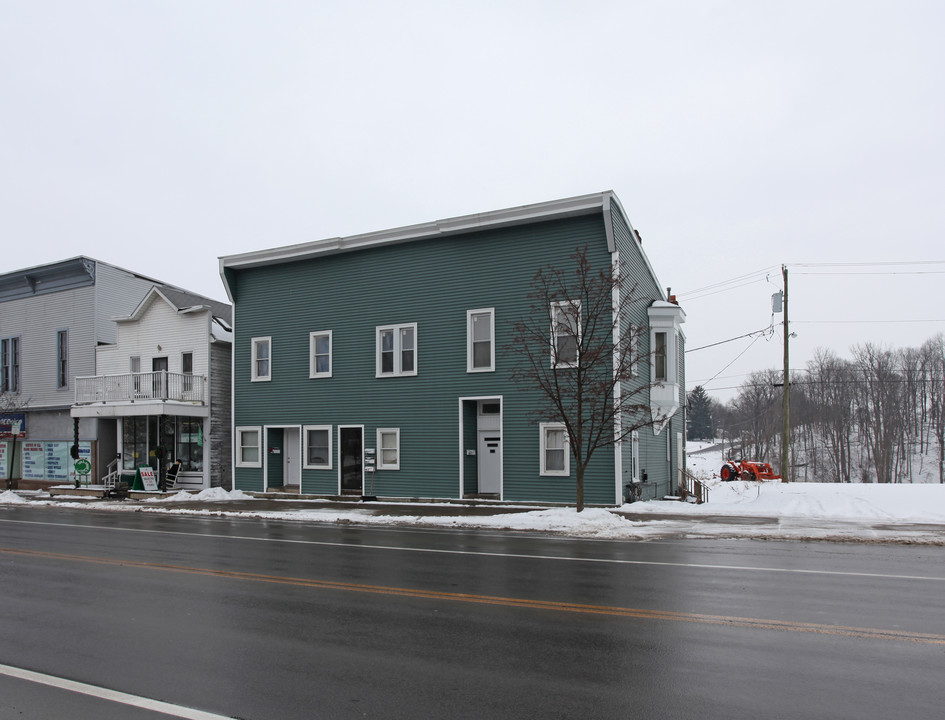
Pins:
x: 8, y: 497
x: 921, y: 503
x: 591, y: 523
x: 209, y: 495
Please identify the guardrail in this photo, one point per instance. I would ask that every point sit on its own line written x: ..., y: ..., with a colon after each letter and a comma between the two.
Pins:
x: 132, y: 387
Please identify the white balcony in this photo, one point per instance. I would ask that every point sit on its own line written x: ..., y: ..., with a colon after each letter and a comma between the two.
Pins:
x: 146, y: 393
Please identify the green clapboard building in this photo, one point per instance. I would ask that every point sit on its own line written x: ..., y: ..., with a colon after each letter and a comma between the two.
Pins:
x: 378, y: 364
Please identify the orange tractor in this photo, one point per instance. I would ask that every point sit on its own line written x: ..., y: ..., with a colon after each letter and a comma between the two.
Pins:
x: 747, y: 470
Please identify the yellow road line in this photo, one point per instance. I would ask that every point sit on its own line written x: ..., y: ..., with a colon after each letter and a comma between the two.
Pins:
x: 731, y: 621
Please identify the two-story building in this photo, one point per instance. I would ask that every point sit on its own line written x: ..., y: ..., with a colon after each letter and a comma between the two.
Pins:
x: 378, y: 364
x: 52, y: 319
x: 164, y: 387
x: 58, y: 323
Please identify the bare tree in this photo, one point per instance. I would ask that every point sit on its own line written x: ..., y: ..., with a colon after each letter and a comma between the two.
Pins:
x: 880, y: 415
x: 758, y: 406
x: 934, y: 352
x: 10, y: 404
x: 578, y: 347
x: 830, y: 389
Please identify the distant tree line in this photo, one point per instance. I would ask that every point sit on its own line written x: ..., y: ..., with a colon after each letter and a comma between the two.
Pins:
x: 871, y: 418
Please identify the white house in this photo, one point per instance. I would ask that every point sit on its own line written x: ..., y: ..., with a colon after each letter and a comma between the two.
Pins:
x: 165, y: 384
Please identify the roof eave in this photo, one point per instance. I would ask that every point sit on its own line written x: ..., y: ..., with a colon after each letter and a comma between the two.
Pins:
x: 555, y: 209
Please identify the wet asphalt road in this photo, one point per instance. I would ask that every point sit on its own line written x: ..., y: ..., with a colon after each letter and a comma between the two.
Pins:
x: 258, y: 619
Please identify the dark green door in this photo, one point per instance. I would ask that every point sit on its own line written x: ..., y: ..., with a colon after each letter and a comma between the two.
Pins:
x: 351, y: 448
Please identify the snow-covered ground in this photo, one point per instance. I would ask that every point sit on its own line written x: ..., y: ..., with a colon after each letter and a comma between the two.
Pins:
x: 770, y: 510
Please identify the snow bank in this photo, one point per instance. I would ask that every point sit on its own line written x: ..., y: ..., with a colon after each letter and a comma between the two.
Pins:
x: 923, y: 503
x: 592, y: 522
x: 8, y: 497
x: 209, y: 495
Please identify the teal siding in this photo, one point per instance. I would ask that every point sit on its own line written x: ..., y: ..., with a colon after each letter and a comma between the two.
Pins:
x: 660, y: 474
x: 432, y: 283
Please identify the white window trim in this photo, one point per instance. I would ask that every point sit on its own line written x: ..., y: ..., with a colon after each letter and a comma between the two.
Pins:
x: 380, y: 449
x: 305, y: 463
x: 554, y: 333
x: 312, y: 372
x: 397, y: 350
x: 469, y: 340
x: 254, y: 344
x: 669, y: 356
x: 543, y: 428
x: 239, y: 446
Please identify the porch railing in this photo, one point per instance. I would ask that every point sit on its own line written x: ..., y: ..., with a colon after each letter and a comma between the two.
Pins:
x: 131, y: 387
x: 695, y: 487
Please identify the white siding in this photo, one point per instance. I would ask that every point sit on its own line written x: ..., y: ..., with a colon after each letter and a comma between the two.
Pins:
x: 118, y: 293
x: 162, y: 326
x: 36, y: 320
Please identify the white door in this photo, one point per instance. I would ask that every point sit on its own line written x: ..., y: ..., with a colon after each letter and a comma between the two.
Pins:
x: 680, y: 463
x: 292, y: 449
x: 490, y: 461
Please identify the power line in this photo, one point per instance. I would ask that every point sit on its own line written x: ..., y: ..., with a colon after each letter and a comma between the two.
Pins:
x: 891, y: 272
x: 832, y: 322
x: 722, y: 342
x: 885, y: 263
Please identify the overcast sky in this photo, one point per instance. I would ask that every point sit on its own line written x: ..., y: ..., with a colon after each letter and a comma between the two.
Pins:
x: 739, y: 136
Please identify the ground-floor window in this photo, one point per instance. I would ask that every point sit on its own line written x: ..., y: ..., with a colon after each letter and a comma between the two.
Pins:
x: 388, y: 442
x: 175, y: 438
x: 190, y: 444
x: 554, y: 450
x: 134, y: 442
x: 318, y: 447
x: 248, y: 447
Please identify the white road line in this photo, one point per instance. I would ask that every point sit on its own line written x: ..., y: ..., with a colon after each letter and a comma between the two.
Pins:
x: 610, y: 561
x: 112, y: 695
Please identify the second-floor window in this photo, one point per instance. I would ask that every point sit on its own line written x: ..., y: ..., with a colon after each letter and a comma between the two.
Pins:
x: 565, y: 333
x: 659, y: 357
x: 480, y: 344
x: 10, y: 364
x: 62, y: 359
x: 397, y: 350
x: 262, y: 358
x: 187, y: 370
x: 320, y: 354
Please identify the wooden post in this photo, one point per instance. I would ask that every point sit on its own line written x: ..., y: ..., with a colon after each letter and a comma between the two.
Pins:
x: 786, y: 397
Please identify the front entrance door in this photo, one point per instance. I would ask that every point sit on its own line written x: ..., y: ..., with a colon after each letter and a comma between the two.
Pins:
x: 350, y: 451
x: 490, y: 461
x: 489, y: 446
x: 292, y: 449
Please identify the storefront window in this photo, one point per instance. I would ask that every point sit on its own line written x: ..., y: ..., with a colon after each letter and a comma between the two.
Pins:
x: 190, y: 444
x: 134, y: 442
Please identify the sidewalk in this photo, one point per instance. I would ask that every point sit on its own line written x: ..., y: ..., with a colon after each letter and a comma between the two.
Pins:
x: 638, y: 521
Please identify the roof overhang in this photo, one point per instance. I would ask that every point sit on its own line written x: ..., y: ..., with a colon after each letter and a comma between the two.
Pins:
x: 601, y: 203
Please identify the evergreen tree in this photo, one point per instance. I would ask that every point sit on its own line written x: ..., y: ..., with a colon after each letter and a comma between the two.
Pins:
x: 700, y: 414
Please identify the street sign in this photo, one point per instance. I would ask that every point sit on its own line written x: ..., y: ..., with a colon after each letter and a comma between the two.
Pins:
x: 82, y: 466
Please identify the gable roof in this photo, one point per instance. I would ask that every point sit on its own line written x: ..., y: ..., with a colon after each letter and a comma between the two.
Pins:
x: 182, y: 301
x: 596, y: 203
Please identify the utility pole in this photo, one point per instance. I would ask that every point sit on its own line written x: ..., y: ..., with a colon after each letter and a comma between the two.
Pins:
x: 786, y: 398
